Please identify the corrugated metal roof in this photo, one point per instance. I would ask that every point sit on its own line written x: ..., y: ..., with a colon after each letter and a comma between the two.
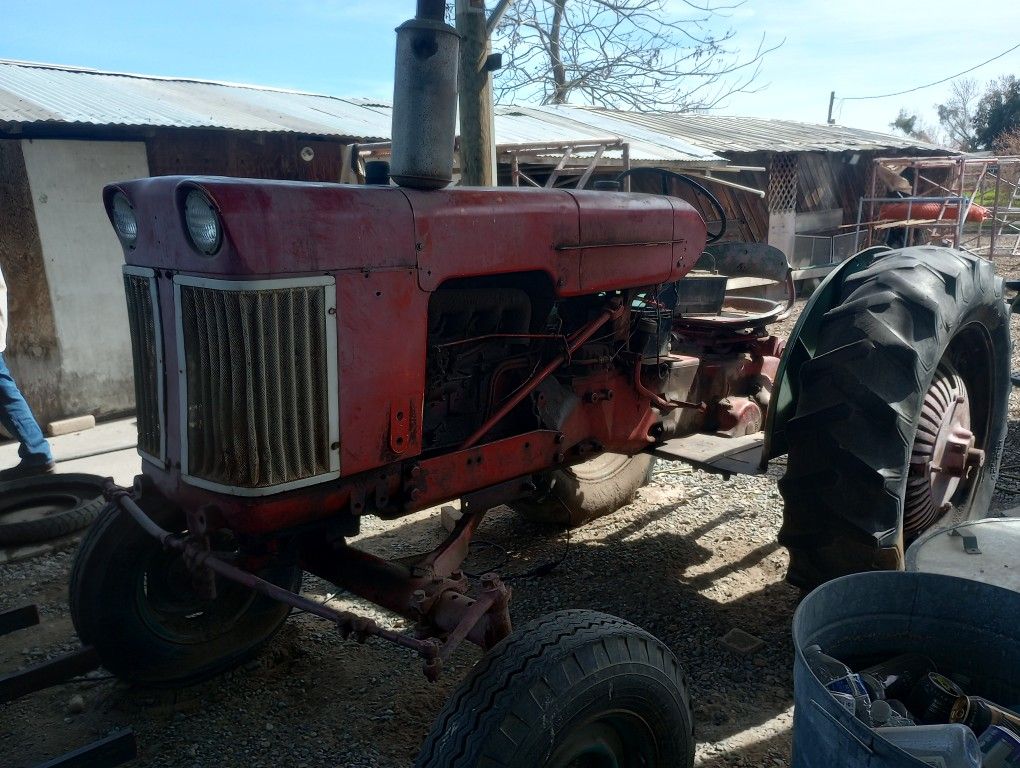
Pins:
x: 32, y: 94
x: 726, y: 133
x: 42, y: 93
x: 526, y: 125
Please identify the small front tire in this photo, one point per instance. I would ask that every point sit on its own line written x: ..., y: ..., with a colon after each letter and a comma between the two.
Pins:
x: 570, y: 688
x: 134, y: 603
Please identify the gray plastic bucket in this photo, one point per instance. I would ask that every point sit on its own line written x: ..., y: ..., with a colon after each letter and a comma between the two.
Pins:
x: 966, y: 627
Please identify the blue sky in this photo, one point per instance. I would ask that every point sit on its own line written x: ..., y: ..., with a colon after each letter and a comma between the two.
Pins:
x: 345, y: 47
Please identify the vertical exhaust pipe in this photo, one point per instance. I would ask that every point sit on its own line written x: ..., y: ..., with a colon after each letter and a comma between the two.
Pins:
x: 425, y: 99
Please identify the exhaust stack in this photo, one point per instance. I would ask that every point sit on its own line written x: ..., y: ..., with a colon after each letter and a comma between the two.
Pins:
x: 425, y: 99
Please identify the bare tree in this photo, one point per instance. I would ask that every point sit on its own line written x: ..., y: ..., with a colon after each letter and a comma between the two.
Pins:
x: 915, y: 128
x: 631, y: 54
x: 956, y: 115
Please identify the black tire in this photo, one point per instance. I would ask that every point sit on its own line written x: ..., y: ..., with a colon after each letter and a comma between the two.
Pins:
x: 45, y: 507
x: 134, y: 603
x: 559, y: 684
x: 584, y: 492
x: 907, y: 331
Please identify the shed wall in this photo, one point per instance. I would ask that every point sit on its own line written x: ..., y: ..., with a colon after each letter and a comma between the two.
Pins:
x: 93, y: 373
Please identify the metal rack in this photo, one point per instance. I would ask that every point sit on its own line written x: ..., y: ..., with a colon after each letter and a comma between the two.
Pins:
x: 956, y: 184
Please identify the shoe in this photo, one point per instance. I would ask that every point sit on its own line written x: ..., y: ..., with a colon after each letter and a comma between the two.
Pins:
x: 26, y: 470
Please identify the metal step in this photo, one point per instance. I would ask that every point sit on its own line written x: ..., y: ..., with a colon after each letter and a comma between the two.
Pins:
x: 723, y: 455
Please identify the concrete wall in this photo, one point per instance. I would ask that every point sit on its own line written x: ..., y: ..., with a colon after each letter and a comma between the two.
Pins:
x: 87, y: 368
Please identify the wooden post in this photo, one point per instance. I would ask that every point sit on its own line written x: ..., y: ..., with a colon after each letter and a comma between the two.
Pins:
x: 477, y: 151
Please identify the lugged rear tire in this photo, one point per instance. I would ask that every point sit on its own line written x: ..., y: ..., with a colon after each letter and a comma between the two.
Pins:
x: 904, y: 327
x: 131, y: 600
x: 569, y: 688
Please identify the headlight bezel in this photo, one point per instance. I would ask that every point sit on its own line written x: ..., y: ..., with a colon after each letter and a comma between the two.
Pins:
x: 202, y: 221
x: 124, y: 219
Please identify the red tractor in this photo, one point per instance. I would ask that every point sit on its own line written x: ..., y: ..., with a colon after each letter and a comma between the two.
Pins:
x: 308, y: 354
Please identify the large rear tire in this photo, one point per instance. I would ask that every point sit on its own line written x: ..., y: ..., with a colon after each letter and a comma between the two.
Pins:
x: 918, y: 348
x: 584, y: 492
x: 571, y: 688
x: 135, y: 604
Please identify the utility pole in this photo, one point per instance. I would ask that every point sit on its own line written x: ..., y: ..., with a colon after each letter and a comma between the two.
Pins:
x: 832, y: 98
x: 477, y: 63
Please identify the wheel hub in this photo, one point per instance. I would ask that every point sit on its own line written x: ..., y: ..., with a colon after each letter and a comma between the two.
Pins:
x: 944, y: 455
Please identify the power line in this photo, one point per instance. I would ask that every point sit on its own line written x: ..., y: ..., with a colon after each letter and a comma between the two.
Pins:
x: 937, y: 82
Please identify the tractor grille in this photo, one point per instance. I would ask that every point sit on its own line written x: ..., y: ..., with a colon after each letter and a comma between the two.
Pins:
x: 259, y: 404
x: 146, y: 348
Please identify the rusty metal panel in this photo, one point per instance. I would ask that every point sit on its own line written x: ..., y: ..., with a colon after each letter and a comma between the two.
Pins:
x: 642, y: 225
x: 464, y: 232
x: 273, y: 227
x: 448, y: 476
x: 386, y: 376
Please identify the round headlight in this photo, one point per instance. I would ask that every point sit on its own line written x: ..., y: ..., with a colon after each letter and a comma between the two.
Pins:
x: 124, y: 221
x: 203, y: 223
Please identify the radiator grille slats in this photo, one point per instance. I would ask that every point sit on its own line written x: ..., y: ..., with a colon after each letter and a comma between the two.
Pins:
x: 144, y: 340
x: 258, y: 391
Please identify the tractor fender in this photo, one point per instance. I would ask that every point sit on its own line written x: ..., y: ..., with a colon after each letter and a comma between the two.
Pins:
x: 802, y: 345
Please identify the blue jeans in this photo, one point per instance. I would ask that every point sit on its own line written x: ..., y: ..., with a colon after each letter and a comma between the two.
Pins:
x: 18, y: 420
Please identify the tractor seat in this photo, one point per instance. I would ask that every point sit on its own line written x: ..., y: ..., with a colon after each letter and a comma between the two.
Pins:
x: 705, y: 300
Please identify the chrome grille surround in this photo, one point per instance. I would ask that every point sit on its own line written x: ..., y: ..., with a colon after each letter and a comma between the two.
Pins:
x: 258, y: 383
x: 147, y: 357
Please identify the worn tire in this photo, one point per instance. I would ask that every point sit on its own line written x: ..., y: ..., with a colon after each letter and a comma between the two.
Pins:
x: 111, y: 595
x: 48, y: 506
x: 860, y: 401
x: 587, y: 491
x: 555, y: 684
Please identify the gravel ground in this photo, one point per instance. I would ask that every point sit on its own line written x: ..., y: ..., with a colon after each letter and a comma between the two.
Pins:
x: 691, y: 558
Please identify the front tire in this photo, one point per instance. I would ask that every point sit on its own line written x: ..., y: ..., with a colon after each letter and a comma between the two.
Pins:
x: 587, y: 491
x: 134, y: 603
x: 919, y: 346
x: 571, y: 688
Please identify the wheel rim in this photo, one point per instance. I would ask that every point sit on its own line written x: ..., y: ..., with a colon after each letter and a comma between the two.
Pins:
x: 944, y: 456
x: 610, y: 740
x: 170, y: 606
x: 29, y: 506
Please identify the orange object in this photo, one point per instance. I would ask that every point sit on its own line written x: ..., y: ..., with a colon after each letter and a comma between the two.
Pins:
x: 916, y: 210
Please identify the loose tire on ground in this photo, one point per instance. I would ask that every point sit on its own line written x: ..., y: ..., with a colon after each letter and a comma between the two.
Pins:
x: 908, y: 330
x: 45, y: 507
x: 581, y: 493
x: 134, y: 603
x: 570, y: 688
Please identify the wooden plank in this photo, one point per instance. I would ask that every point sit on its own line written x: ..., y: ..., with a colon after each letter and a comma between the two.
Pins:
x: 116, y: 749
x: 18, y: 618
x: 48, y: 673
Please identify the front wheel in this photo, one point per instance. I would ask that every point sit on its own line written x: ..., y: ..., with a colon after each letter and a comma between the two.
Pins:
x: 573, y: 688
x: 901, y: 414
x: 134, y: 602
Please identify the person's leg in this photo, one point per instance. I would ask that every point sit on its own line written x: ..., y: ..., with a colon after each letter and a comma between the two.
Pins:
x: 17, y: 419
